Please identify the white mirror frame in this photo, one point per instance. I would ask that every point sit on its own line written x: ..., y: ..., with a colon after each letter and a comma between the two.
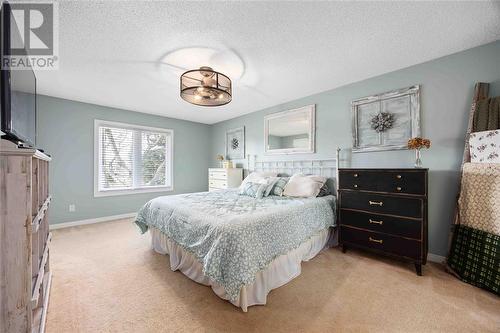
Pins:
x: 311, y: 109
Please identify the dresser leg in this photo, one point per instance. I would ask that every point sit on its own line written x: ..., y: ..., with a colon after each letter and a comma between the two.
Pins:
x: 344, y: 248
x: 418, y: 269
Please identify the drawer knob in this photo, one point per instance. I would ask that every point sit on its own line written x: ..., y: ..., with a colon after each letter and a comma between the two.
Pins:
x: 380, y: 241
x: 398, y: 188
x: 355, y: 175
x: 376, y: 203
x: 399, y: 177
x: 355, y: 186
x: 375, y: 222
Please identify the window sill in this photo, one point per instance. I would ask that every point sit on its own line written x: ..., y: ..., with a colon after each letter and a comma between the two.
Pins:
x: 110, y: 193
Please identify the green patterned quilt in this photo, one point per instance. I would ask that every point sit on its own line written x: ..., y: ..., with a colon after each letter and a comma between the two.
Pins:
x: 235, y: 236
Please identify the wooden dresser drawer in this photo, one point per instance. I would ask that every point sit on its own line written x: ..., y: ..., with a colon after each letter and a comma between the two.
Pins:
x: 384, y: 204
x: 217, y: 183
x: 382, y: 223
x: 386, y: 243
x: 217, y: 174
x: 393, y: 181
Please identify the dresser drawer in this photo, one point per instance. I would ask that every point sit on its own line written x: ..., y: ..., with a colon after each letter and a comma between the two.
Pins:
x: 386, y: 243
x: 393, y: 181
x: 382, y: 223
x: 217, y: 183
x: 217, y: 174
x: 384, y: 204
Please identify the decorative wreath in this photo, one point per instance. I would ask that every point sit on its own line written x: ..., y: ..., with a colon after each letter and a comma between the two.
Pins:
x: 235, y: 143
x: 382, y: 121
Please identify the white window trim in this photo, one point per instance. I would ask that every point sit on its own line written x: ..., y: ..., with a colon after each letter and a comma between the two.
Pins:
x: 97, y: 165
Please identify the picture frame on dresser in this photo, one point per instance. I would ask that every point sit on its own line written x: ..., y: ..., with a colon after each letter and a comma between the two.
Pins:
x: 385, y: 211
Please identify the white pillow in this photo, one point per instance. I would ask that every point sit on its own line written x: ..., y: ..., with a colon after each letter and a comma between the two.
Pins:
x: 485, y: 146
x: 304, y: 186
x: 258, y: 177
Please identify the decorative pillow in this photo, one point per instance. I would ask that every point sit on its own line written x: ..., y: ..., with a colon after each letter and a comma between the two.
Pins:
x: 255, y: 190
x: 324, y: 191
x: 257, y: 177
x: 279, y: 186
x: 304, y: 186
x: 485, y: 146
x: 271, y: 181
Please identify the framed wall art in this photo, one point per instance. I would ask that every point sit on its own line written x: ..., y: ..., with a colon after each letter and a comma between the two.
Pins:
x: 235, y: 143
x: 386, y: 121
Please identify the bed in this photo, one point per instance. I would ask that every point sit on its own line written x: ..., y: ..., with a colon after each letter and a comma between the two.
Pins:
x: 242, y: 247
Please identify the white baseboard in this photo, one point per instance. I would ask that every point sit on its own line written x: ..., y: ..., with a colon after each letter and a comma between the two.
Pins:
x: 435, y: 258
x: 91, y: 221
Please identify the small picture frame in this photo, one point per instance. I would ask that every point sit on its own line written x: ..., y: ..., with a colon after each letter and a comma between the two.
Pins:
x: 235, y: 143
x: 386, y: 121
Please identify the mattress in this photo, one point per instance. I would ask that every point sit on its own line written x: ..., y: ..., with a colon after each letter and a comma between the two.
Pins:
x: 234, y: 237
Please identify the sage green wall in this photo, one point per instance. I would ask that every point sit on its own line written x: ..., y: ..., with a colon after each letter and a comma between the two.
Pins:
x: 446, y: 92
x: 66, y: 131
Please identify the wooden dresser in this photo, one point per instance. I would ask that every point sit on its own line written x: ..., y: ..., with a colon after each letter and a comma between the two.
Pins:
x: 219, y: 178
x: 25, y: 273
x: 385, y: 210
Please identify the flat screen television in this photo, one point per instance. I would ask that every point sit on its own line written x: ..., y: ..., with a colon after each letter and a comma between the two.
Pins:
x: 18, y: 88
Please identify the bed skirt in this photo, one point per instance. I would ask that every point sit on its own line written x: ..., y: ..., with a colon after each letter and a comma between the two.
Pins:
x: 280, y: 271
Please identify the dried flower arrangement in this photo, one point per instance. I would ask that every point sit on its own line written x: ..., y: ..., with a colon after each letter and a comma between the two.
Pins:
x: 419, y: 143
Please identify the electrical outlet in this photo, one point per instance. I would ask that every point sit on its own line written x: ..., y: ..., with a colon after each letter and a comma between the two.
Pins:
x: 72, y: 208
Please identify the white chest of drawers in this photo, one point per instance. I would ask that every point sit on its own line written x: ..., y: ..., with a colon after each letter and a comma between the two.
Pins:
x: 219, y: 179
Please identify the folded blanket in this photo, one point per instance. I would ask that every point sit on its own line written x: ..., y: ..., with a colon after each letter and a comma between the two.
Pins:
x: 487, y: 115
x: 480, y: 197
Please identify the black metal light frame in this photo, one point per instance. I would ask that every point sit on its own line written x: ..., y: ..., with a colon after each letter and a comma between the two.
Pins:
x: 185, y: 89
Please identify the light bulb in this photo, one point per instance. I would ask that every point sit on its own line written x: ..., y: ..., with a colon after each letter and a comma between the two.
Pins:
x: 208, y: 81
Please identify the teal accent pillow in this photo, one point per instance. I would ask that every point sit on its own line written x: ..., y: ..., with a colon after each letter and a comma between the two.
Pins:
x: 255, y: 190
x: 279, y: 186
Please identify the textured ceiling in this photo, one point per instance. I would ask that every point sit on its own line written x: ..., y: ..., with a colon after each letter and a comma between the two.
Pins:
x: 130, y: 54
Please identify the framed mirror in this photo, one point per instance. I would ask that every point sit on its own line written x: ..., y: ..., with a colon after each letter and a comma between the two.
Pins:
x: 290, y: 132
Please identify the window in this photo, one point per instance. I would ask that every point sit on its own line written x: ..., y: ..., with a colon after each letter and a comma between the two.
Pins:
x: 131, y: 159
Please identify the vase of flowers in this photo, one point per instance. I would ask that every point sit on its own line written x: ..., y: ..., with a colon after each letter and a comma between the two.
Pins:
x: 220, y: 158
x: 417, y: 144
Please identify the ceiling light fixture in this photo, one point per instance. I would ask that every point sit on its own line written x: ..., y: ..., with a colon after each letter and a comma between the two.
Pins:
x: 205, y: 87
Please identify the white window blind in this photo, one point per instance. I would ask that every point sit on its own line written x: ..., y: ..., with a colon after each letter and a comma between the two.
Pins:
x: 132, y: 159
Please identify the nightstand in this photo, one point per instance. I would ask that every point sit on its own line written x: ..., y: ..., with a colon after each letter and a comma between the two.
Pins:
x: 219, y: 178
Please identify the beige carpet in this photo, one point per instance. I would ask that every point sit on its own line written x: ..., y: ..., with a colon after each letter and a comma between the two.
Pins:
x: 106, y: 279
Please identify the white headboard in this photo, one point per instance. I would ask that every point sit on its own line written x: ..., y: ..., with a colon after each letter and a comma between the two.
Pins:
x: 328, y: 167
